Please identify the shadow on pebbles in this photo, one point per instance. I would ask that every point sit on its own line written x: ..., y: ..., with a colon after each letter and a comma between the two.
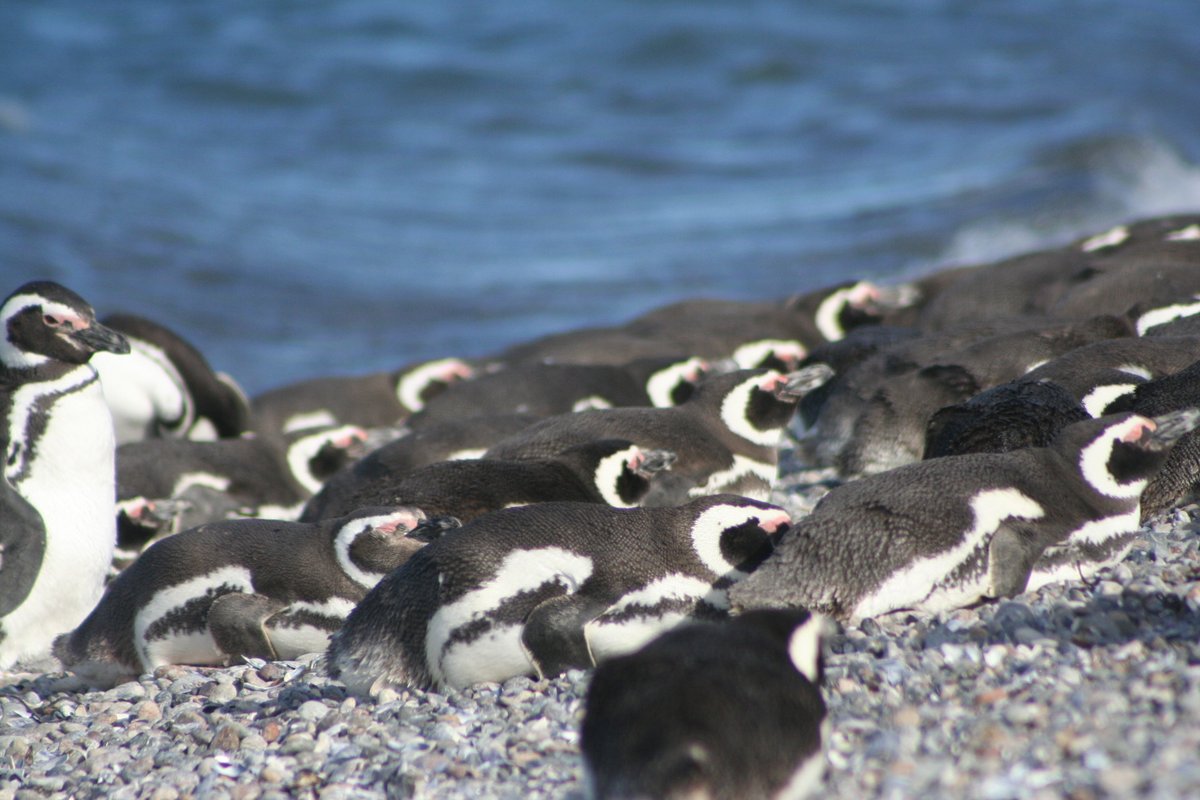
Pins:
x: 1076, y: 690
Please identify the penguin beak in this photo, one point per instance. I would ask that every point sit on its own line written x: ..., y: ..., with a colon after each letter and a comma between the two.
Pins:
x: 799, y: 383
x: 97, y: 337
x: 431, y: 529
x: 651, y: 462
x: 1162, y: 432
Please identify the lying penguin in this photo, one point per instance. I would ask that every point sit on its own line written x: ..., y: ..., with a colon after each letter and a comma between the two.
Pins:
x: 257, y: 588
x: 723, y: 711
x: 612, y: 471
x: 945, y: 533
x: 57, y: 531
x: 545, y: 588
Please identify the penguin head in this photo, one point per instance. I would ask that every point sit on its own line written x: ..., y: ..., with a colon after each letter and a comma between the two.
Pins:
x: 314, y: 454
x: 842, y: 308
x: 371, y: 542
x: 1117, y: 455
x: 732, y: 535
x: 798, y: 630
x: 44, y: 321
x: 759, y: 405
x: 620, y: 470
x: 778, y: 354
x: 418, y: 384
x: 670, y: 382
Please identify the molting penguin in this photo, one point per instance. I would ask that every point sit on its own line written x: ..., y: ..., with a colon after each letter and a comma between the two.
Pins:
x: 247, y: 476
x: 948, y: 532
x: 724, y: 711
x: 59, y: 491
x: 259, y: 588
x: 612, y: 471
x: 549, y: 587
x: 545, y: 390
x: 376, y: 400
x: 725, y: 437
x: 164, y: 387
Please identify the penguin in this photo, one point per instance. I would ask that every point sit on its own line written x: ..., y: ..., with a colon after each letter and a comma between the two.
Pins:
x: 549, y: 587
x: 164, y: 387
x: 544, y: 390
x: 727, y: 711
x: 1150, y: 291
x: 889, y: 409
x: 255, y: 588
x: 612, y: 471
x: 59, y: 487
x: 466, y: 438
x: 375, y: 400
x: 725, y: 437
x: 949, y: 532
x: 248, y: 476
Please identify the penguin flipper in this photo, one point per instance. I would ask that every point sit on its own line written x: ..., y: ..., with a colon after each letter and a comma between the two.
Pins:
x: 553, y: 636
x: 237, y: 623
x: 1011, y: 556
x: 22, y: 547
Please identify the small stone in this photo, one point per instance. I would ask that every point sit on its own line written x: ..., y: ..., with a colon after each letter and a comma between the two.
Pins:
x: 226, y: 738
x: 148, y: 710
x: 312, y: 710
x: 219, y: 692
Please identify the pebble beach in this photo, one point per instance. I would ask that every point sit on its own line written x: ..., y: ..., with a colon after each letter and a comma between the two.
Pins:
x: 1078, y: 690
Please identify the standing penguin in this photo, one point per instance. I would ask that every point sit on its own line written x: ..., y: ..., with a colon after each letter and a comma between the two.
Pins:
x: 260, y: 588
x: 57, y: 436
x: 725, y: 437
x: 725, y: 711
x: 165, y: 387
x: 944, y: 533
x: 549, y: 587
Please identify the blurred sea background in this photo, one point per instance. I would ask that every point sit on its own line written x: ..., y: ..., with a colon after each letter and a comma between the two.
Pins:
x: 341, y: 186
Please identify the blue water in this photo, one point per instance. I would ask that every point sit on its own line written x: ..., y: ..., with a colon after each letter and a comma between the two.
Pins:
x: 313, y: 187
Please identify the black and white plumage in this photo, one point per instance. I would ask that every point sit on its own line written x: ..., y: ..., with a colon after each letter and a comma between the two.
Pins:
x: 544, y: 390
x: 164, y: 387
x: 725, y: 711
x: 375, y: 400
x: 947, y: 532
x: 549, y: 587
x: 462, y: 439
x: 725, y: 437
x: 247, y: 476
x: 57, y: 436
x: 612, y: 471
x: 260, y: 588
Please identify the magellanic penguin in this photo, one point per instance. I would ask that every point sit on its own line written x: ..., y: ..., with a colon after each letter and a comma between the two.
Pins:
x: 164, y: 387
x: 257, y: 588
x: 945, y: 533
x: 375, y: 400
x: 544, y: 390
x: 612, y: 471
x: 725, y: 437
x: 247, y: 476
x: 59, y: 504
x: 725, y: 711
x: 545, y: 588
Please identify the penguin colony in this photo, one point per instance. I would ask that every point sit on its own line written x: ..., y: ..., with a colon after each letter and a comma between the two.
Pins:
x: 599, y: 498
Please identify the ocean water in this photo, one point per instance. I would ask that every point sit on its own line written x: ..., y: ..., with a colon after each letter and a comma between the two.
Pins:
x: 336, y: 186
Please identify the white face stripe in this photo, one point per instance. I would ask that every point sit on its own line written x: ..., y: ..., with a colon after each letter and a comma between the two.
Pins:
x: 707, y: 530
x: 594, y: 401
x: 609, y: 471
x: 735, y: 405
x: 828, y: 313
x: 662, y: 383
x: 1093, y: 462
x: 352, y: 530
x: 1110, y: 238
x: 719, y: 481
x: 804, y: 647
x: 913, y: 583
x: 309, y: 419
x: 751, y: 354
x: 417, y: 380
x: 520, y: 571
x: 1189, y: 234
x: 166, y: 600
x: 10, y: 354
x: 303, y: 450
x: 1158, y: 316
x: 1099, y: 398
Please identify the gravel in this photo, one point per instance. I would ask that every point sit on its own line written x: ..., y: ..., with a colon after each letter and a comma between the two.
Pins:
x: 1076, y: 690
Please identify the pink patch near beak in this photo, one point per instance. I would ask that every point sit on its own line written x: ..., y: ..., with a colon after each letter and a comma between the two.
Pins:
x: 1138, y: 427
x: 863, y: 294
x: 772, y: 381
x: 773, y: 523
x: 454, y: 371
x: 636, y: 459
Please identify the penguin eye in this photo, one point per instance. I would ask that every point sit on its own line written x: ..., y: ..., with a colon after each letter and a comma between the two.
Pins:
x: 52, y: 320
